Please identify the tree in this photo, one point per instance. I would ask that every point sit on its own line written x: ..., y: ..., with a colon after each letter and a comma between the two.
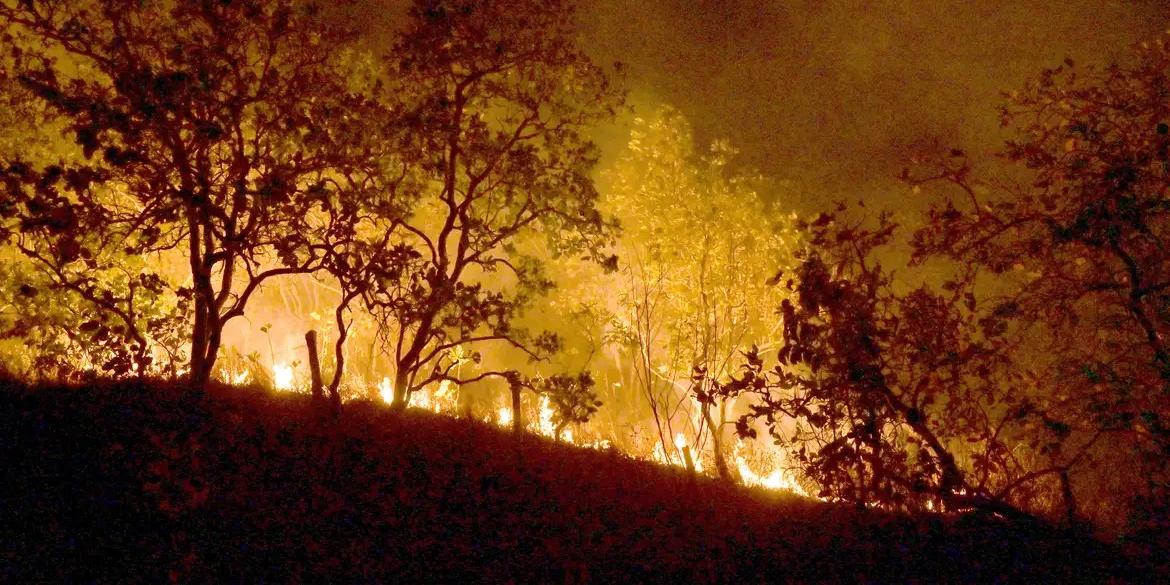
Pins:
x: 1078, y: 247
x: 573, y: 399
x: 1034, y: 380
x: 213, y: 133
x: 64, y: 331
x: 901, y: 399
x: 495, y: 100
x: 697, y: 247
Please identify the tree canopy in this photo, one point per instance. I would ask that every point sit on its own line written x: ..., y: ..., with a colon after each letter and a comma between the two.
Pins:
x: 1034, y: 379
x: 210, y: 132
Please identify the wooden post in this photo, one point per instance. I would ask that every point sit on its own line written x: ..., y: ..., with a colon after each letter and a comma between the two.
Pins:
x: 690, y: 461
x: 315, y: 367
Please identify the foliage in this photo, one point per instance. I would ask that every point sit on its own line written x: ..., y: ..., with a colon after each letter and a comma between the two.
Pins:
x: 41, y: 312
x: 697, y: 247
x: 1037, y: 375
x: 66, y: 333
x: 573, y: 397
x: 890, y: 398
x: 494, y: 100
x: 1078, y: 247
x: 209, y: 135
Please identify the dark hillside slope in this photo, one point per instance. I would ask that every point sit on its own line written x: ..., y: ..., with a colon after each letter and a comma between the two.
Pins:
x: 122, y: 482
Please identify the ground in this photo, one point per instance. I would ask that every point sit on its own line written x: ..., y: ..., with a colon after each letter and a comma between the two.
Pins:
x: 136, y: 482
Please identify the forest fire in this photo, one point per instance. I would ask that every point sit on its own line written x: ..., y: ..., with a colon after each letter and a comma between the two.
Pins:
x: 779, y: 478
x: 473, y: 209
x: 283, y: 377
x: 542, y: 422
x: 504, y: 416
x: 240, y: 378
x: 386, y: 391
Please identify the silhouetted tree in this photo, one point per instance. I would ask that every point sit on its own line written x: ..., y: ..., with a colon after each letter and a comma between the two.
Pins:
x: 495, y: 99
x: 572, y: 398
x: 107, y: 318
x: 1039, y: 369
x: 214, y: 132
x: 887, y: 397
x: 1078, y: 248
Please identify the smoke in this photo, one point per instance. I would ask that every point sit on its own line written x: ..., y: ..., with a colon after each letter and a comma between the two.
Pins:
x: 828, y: 97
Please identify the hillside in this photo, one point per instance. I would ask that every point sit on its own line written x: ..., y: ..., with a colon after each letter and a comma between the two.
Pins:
x: 122, y: 482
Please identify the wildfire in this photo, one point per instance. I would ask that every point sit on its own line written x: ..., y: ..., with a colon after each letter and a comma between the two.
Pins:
x: 443, y: 399
x: 777, y: 479
x: 236, y: 378
x: 546, y: 426
x: 282, y: 376
x: 386, y: 391
x: 678, y: 452
x: 504, y: 416
x: 421, y: 398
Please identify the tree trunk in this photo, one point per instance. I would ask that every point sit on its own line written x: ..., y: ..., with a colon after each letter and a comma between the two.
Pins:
x: 339, y: 353
x: 201, y: 359
x: 687, y: 458
x: 401, y: 385
x: 200, y: 373
x: 214, y: 339
x: 206, y: 334
x: 517, y: 421
x: 725, y: 473
x: 199, y: 369
x: 314, y: 367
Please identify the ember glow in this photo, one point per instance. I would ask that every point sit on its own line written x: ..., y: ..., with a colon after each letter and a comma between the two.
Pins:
x: 283, y: 377
x: 386, y: 391
x: 776, y: 478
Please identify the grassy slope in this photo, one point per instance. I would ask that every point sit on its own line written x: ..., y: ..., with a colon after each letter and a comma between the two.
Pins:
x: 125, y: 483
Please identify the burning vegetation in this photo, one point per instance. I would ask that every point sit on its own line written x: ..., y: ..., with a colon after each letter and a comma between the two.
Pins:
x: 423, y: 221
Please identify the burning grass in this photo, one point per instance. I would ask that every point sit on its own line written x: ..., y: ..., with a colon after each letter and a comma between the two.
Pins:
x: 124, y: 482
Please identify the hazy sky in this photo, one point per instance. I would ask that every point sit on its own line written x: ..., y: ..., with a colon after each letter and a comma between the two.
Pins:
x: 829, y: 96
x: 832, y: 94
